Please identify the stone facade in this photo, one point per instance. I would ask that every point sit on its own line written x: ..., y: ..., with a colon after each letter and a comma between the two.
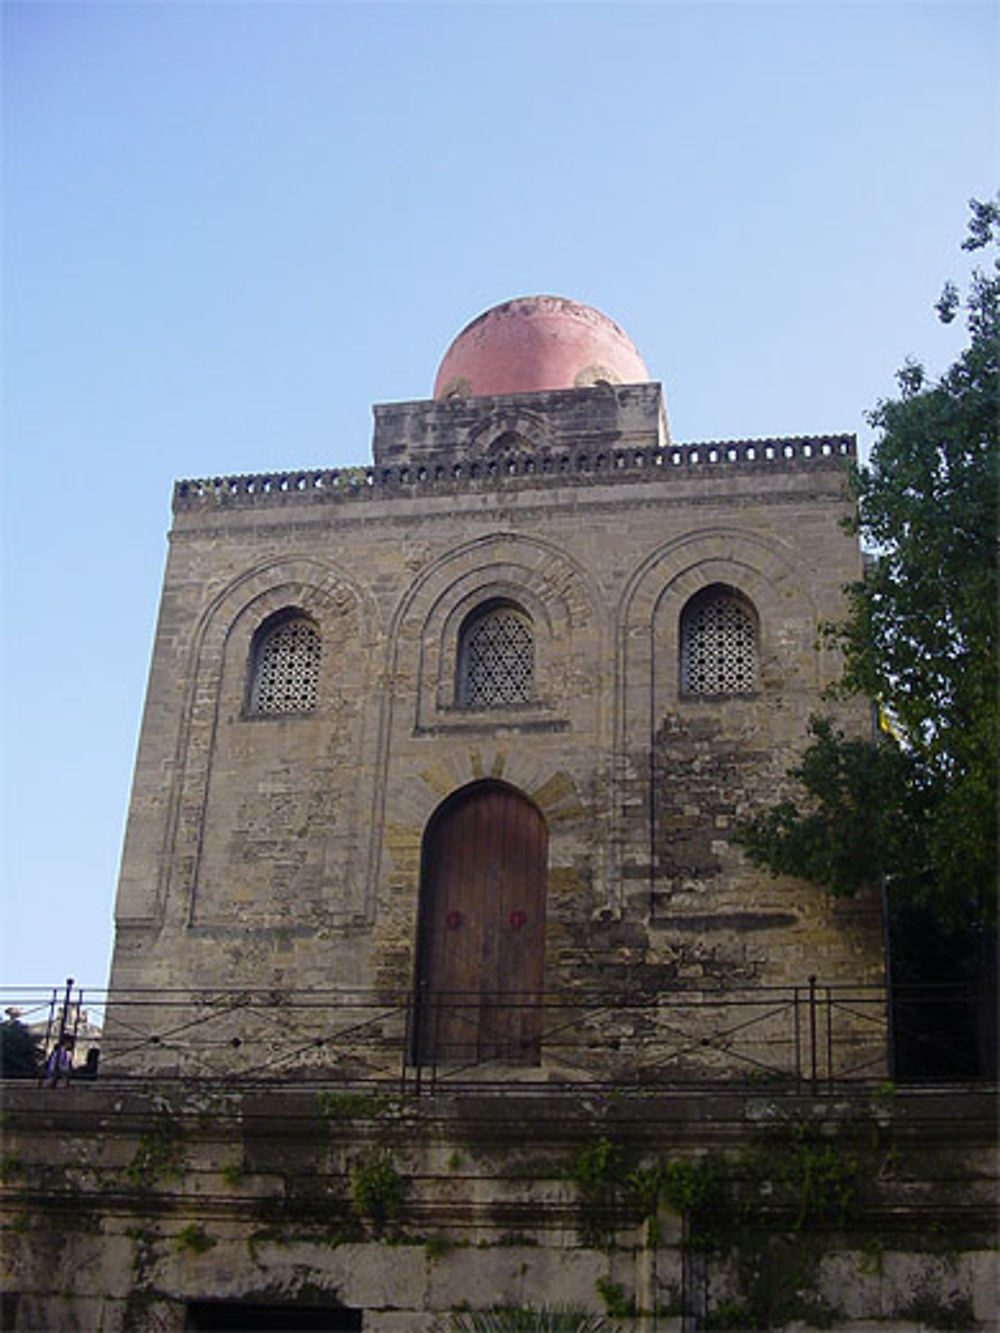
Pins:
x: 284, y: 850
x: 134, y: 1211
x: 538, y: 655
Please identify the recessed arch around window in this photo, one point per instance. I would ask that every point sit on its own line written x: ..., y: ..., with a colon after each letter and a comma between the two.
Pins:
x: 496, y: 657
x: 283, y: 675
x: 719, y: 640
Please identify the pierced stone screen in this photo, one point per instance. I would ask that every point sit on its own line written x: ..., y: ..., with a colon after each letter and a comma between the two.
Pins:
x: 286, y: 669
x: 498, y: 660
x: 719, y: 647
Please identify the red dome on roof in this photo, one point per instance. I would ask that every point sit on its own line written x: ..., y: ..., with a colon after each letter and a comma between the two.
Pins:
x: 534, y: 343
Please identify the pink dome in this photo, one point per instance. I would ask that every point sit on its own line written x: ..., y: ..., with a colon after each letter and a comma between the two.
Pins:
x: 535, y: 343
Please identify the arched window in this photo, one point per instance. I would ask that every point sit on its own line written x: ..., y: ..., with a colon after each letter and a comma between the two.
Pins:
x: 284, y: 665
x: 496, y: 657
x: 719, y: 643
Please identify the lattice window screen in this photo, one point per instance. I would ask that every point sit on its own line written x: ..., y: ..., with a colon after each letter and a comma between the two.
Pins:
x: 497, y: 660
x: 719, y: 647
x: 286, y: 669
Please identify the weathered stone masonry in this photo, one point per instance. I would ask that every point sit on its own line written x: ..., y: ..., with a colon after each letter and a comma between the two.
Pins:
x: 333, y: 1091
x: 284, y: 843
x: 124, y: 1210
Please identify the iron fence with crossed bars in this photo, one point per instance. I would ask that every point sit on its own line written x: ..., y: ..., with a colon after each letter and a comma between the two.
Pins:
x: 811, y: 1036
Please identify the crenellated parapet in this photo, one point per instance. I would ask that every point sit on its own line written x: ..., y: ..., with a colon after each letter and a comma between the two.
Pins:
x: 582, y: 465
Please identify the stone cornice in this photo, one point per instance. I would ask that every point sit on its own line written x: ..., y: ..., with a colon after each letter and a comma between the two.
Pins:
x: 579, y: 466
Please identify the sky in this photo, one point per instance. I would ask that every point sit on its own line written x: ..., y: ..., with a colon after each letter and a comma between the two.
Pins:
x: 230, y: 228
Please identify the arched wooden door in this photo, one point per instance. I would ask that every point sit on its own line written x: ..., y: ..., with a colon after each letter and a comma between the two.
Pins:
x: 481, y: 935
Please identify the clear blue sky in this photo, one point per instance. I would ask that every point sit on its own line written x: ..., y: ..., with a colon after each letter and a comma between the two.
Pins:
x: 229, y: 228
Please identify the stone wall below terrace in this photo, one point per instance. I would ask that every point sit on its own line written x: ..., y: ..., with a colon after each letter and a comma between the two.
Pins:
x: 133, y: 1210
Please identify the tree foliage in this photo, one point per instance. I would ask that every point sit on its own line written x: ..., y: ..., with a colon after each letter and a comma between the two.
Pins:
x: 916, y: 809
x: 20, y: 1056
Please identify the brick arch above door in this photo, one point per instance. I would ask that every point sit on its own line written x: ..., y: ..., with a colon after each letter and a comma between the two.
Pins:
x: 420, y: 794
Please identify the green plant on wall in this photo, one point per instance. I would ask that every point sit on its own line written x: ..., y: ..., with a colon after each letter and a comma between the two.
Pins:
x: 160, y: 1155
x: 141, y: 1296
x: 778, y: 1279
x: 694, y: 1188
x: 822, y: 1181
x: 774, y: 1216
x: 815, y: 1181
x: 616, y: 1302
x: 612, y: 1193
x: 352, y: 476
x: 597, y: 1166
x: 378, y: 1191
x: 334, y: 1106
x: 193, y: 1239
x: 10, y: 1167
x: 232, y: 1174
x: 600, y: 1175
x: 436, y: 1247
x: 645, y: 1187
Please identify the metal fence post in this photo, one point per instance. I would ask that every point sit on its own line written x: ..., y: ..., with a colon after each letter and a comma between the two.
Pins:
x: 407, y: 1041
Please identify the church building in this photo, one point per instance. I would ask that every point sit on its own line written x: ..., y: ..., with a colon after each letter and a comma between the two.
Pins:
x: 441, y: 986
x: 473, y: 725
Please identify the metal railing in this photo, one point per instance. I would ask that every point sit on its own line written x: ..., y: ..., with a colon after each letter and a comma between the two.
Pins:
x: 811, y: 1037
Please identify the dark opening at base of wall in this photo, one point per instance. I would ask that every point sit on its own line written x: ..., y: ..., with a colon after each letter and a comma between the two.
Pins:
x: 944, y: 999
x: 245, y: 1317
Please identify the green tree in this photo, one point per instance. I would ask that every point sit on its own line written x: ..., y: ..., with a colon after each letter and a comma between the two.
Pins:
x: 915, y: 810
x: 19, y: 1051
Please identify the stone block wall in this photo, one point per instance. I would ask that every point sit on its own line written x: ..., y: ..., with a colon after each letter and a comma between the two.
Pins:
x: 284, y: 851
x: 129, y: 1211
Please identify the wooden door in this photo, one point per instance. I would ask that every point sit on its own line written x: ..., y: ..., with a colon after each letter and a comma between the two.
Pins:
x: 481, y: 939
